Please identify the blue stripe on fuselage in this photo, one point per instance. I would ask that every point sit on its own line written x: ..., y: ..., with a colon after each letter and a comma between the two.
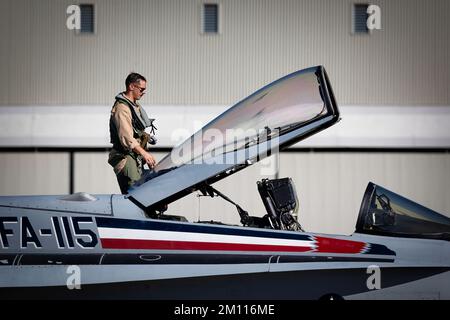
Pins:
x: 380, y: 249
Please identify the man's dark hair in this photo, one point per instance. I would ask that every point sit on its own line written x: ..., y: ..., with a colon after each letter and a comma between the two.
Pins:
x: 133, y: 78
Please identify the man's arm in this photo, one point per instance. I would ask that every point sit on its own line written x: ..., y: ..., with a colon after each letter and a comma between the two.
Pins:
x: 122, y: 119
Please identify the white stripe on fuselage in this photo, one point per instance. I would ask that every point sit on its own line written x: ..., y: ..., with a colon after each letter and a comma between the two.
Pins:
x: 110, y: 233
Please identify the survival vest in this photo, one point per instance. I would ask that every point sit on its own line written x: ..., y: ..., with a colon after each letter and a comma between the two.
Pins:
x: 138, y: 121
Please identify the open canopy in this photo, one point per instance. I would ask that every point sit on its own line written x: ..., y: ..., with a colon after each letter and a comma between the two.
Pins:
x: 275, y: 117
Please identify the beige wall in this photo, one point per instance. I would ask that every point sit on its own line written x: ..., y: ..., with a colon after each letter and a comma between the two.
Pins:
x: 23, y: 173
x: 330, y: 186
x: 43, y: 63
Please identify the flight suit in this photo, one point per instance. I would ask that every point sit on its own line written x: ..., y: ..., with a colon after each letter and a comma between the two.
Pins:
x: 127, y: 129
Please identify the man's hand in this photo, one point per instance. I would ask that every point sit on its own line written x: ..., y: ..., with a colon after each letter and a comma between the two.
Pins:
x: 148, y: 158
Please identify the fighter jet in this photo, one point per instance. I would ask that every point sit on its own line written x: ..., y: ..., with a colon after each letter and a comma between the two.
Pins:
x: 81, y: 246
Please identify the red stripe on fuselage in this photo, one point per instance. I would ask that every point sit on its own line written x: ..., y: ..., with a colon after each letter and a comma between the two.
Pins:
x: 192, y: 245
x: 332, y: 245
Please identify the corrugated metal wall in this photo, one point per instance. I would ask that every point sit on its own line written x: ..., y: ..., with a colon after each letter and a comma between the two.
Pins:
x: 330, y: 185
x: 42, y: 62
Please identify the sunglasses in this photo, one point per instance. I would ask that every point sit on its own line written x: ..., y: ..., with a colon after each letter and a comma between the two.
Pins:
x: 141, y: 89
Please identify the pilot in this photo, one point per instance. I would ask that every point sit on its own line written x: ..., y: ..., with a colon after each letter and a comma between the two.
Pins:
x: 127, y: 125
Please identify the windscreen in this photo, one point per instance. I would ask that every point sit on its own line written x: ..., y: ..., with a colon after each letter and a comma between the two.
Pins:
x: 387, y: 213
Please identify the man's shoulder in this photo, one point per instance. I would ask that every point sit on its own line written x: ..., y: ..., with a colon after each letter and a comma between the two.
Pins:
x: 120, y: 106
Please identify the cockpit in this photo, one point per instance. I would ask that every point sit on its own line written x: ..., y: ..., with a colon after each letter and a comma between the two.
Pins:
x: 280, y: 200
